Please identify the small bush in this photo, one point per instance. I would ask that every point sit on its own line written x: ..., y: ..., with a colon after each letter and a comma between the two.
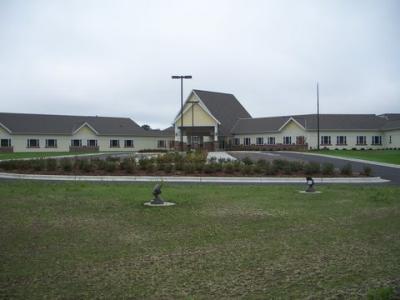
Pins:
x: 8, y: 165
x: 86, y: 165
x: 66, y: 164
x: 101, y: 164
x: 367, y: 171
x: 347, y: 169
x: 150, y: 167
x: 110, y: 166
x: 280, y: 164
x: 143, y: 162
x: 296, y: 166
x: 236, y: 165
x: 209, y: 168
x: 247, y: 161
x: 51, y: 164
x: 247, y: 169
x: 229, y: 168
x: 168, y: 168
x: 188, y: 168
x: 38, y: 164
x: 312, y: 168
x: 328, y: 169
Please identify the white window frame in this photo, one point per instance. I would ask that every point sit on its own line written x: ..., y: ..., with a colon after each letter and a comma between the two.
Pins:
x: 47, y: 143
x: 8, y: 143
x: 88, y: 143
x: 112, y: 143
x: 236, y: 141
x: 259, y: 140
x: 376, y: 137
x: 161, y: 144
x: 247, y: 141
x: 287, y: 140
x: 361, y: 140
x: 28, y: 143
x: 73, y: 142
x: 341, y: 140
x: 129, y: 146
x: 271, y: 140
x: 326, y: 140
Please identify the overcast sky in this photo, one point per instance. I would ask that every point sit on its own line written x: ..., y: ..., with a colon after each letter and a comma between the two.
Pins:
x: 115, y: 58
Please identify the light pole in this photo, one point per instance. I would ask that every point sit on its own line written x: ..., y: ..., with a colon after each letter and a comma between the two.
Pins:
x: 181, y: 77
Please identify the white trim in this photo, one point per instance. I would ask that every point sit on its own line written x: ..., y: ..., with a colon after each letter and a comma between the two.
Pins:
x: 287, y: 122
x: 85, y: 124
x: 5, y: 128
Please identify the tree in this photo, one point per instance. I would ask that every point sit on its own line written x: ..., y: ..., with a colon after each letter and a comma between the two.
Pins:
x: 146, y: 127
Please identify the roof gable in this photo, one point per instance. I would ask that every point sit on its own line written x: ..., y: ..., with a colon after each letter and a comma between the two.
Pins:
x: 223, y: 107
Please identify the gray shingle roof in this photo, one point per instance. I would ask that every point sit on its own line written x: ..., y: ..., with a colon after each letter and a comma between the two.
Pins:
x: 224, y: 107
x: 309, y: 122
x: 20, y: 123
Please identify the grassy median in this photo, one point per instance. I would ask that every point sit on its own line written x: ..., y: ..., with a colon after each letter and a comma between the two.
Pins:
x: 87, y: 240
x: 386, y: 156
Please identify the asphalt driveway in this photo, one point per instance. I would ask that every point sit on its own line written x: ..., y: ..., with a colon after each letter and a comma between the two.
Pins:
x: 393, y: 174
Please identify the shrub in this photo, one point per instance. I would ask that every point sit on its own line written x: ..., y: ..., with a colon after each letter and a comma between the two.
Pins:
x: 110, y: 166
x: 247, y: 169
x: 130, y: 166
x: 150, y: 166
x: 188, y: 168
x: 367, y: 171
x: 23, y: 164
x: 296, y: 166
x: 86, y: 165
x: 209, y: 168
x: 66, y: 164
x: 247, y: 161
x: 8, y: 165
x: 51, y: 164
x: 143, y: 162
x: 312, y: 168
x: 328, y: 168
x: 279, y: 164
x: 236, y: 165
x: 347, y: 169
x: 168, y: 168
x: 38, y: 164
x: 101, y: 164
x: 229, y: 168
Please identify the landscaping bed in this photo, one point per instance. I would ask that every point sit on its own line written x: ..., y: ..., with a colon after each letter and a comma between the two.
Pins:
x: 176, y: 164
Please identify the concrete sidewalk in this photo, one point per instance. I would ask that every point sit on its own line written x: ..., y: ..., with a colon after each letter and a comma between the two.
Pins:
x: 192, y: 179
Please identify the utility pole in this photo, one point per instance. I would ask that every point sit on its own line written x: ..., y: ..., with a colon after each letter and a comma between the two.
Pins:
x: 318, y: 141
x: 181, y: 77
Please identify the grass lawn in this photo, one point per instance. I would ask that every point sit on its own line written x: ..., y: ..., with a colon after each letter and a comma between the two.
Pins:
x: 87, y: 240
x: 387, y: 156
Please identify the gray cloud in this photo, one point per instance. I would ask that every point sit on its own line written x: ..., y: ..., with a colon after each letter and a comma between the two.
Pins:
x: 116, y: 57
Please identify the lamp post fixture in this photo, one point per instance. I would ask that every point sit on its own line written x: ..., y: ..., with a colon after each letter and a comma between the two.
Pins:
x: 181, y: 77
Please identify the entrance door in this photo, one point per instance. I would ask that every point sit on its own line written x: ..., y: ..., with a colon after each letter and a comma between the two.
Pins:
x: 197, y: 142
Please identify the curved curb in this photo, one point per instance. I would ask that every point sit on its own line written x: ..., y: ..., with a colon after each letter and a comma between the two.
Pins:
x: 188, y: 179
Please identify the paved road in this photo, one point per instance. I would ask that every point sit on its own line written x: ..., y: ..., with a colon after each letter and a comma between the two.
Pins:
x: 392, y: 174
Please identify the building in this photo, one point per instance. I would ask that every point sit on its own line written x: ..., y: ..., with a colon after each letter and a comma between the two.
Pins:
x: 47, y: 133
x: 217, y: 120
x: 210, y: 121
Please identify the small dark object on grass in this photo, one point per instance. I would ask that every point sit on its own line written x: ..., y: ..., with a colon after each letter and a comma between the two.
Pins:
x: 156, y: 193
x: 310, y: 182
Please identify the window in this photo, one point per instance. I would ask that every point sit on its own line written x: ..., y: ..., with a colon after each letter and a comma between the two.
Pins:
x: 287, y: 140
x: 341, y: 140
x: 271, y: 140
x: 161, y: 144
x: 259, y: 141
x: 325, y: 140
x: 361, y: 140
x: 91, y: 143
x: 236, y: 141
x: 33, y: 143
x: 390, y: 139
x: 377, y: 140
x: 51, y: 143
x: 128, y: 144
x: 300, y: 140
x: 114, y: 143
x: 246, y: 141
x: 76, y: 143
x: 5, y: 143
